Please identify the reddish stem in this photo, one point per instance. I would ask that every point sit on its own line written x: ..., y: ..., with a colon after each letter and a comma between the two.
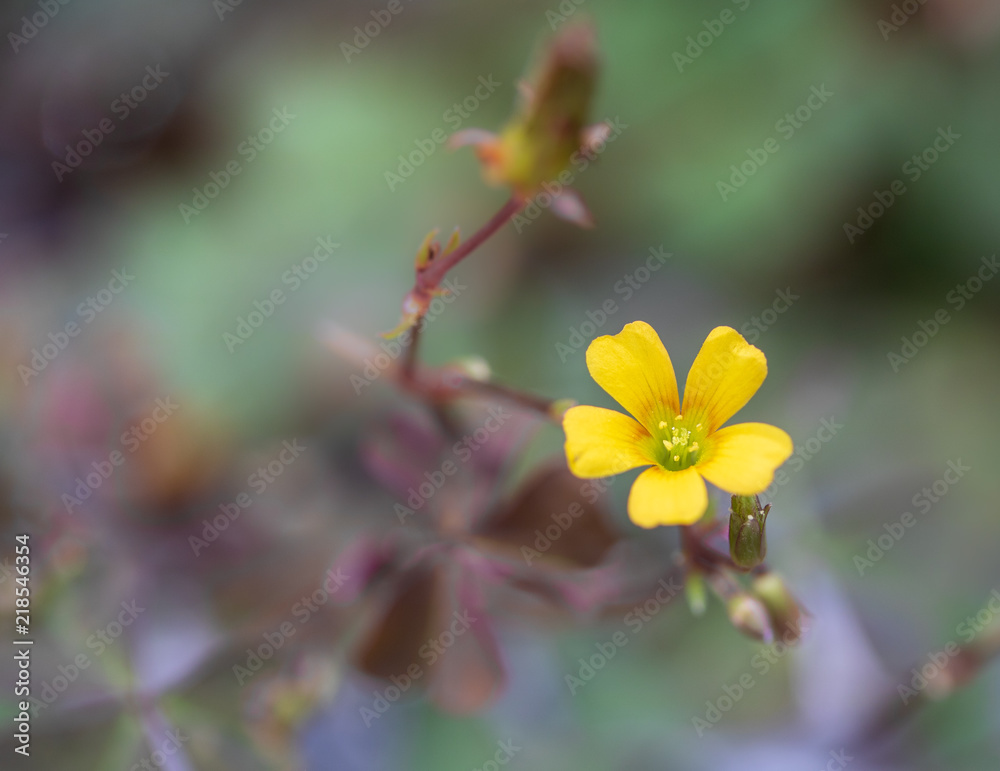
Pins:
x: 530, y: 401
x: 428, y: 279
x: 695, y: 543
x: 434, y: 274
x: 410, y: 357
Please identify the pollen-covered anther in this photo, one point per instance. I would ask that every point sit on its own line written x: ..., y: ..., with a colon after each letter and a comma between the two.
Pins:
x: 680, y: 436
x: 663, y: 424
x: 668, y: 445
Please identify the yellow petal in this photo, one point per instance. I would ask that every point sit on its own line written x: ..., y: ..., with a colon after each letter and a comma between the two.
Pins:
x: 726, y: 372
x: 634, y: 368
x: 601, y: 443
x: 661, y: 497
x: 742, y: 459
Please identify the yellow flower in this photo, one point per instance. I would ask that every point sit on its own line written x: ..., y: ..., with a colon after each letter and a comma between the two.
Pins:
x: 684, y: 443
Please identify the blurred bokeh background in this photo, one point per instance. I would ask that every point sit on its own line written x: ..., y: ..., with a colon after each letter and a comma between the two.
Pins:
x: 822, y: 176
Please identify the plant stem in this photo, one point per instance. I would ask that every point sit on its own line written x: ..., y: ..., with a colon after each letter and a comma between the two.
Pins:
x: 696, y: 547
x: 530, y: 401
x: 435, y: 272
x: 410, y: 357
x: 429, y: 279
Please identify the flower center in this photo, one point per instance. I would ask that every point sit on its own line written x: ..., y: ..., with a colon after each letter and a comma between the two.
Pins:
x: 681, y: 443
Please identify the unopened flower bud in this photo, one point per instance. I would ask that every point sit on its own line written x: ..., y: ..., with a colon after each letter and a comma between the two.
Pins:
x: 783, y: 609
x: 747, y: 538
x: 538, y: 143
x: 749, y: 615
x: 694, y: 592
x: 473, y: 367
x: 558, y: 408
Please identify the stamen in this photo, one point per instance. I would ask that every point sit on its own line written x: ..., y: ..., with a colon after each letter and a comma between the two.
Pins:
x: 696, y: 425
x: 679, y: 441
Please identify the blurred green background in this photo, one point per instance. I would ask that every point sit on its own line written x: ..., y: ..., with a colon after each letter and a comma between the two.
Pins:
x: 689, y: 114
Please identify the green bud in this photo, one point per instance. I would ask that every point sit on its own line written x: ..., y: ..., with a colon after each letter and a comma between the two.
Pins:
x: 748, y: 615
x: 694, y: 592
x: 558, y: 408
x: 786, y: 616
x: 747, y: 538
x: 473, y: 367
x: 538, y: 144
